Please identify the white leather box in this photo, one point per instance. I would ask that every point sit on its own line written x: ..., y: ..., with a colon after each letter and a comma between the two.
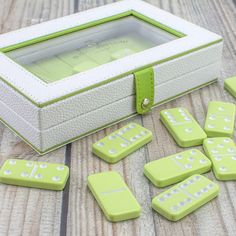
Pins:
x: 66, y: 78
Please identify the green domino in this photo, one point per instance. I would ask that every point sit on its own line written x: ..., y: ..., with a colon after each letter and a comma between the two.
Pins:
x: 177, y: 167
x: 113, y: 196
x: 185, y: 197
x: 183, y: 127
x: 230, y: 85
x: 122, y: 142
x: 220, y: 119
x: 222, y: 152
x: 34, y: 174
x: 51, y: 69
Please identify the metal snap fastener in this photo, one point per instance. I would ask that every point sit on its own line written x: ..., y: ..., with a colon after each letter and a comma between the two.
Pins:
x: 145, y: 103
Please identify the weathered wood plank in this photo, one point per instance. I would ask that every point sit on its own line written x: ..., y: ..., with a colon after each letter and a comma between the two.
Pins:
x: 209, y: 220
x: 25, y: 211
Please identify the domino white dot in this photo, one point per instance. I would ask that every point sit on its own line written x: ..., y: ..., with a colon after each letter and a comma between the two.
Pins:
x: 173, y: 121
x: 227, y: 119
x: 126, y: 129
x: 204, y: 190
x: 133, y: 139
x: 193, y: 152
x: 214, y: 151
x: 131, y: 126
x: 185, y: 185
x: 218, y: 158
x: 187, y: 118
x: 179, y: 157
x: 212, y: 117
x: 24, y: 174
x: 112, y: 151
x: 56, y: 178
x: 144, y: 132
x: 29, y: 164
x: 161, y: 199
x: 211, y: 126
x: 221, y: 109
x: 191, y: 181
x: 188, y: 130
x: 191, y: 159
x: 222, y: 168
x: 170, y: 117
x: 12, y: 162
x: 175, y: 208
x: 166, y: 112
x: 203, y: 161
x: 112, y: 137
x: 188, y: 166
x: 43, y: 166
x: 121, y: 132
x: 226, y: 140
x: 182, y: 203
x: 188, y: 199
x: 100, y: 144
x: 137, y: 136
x: 60, y: 168
x: 230, y: 150
x: 234, y: 158
x: 197, y: 177
x: 209, y: 186
x: 226, y: 128
x: 38, y: 176
x: 123, y: 144
x: 168, y: 195
x: 7, y: 172
x: 210, y: 141
x: 174, y: 191
x: 220, y: 145
x: 198, y: 194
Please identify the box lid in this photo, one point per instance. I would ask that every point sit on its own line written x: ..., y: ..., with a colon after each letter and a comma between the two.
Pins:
x: 175, y: 38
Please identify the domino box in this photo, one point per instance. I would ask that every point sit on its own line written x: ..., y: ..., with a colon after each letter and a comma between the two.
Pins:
x: 66, y: 78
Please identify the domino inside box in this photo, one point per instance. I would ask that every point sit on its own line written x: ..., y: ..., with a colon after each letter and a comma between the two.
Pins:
x: 69, y: 77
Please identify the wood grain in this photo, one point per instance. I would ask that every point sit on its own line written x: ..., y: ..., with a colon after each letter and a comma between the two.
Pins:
x: 74, y: 212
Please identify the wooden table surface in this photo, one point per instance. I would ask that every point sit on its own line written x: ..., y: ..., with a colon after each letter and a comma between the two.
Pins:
x: 25, y: 211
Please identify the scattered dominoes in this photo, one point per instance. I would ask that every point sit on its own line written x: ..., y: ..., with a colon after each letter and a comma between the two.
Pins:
x: 34, y: 174
x: 183, y: 127
x: 220, y: 119
x: 222, y: 152
x: 113, y: 196
x: 185, y: 197
x: 122, y: 142
x: 177, y: 167
x: 230, y: 85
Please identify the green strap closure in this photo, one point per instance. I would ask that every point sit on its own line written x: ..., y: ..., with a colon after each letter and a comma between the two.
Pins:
x: 144, y: 86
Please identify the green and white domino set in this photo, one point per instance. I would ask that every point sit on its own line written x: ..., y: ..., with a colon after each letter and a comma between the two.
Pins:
x: 112, y: 76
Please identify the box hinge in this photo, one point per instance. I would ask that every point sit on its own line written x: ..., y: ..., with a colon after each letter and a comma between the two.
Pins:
x: 144, y: 86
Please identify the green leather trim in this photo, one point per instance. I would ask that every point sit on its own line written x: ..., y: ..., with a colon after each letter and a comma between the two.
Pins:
x: 40, y: 152
x: 144, y: 86
x: 93, y: 24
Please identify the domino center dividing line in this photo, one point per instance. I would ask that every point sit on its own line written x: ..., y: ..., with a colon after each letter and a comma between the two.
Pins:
x: 114, y: 191
x: 178, y: 163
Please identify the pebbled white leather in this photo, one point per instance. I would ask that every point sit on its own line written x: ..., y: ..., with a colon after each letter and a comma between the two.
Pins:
x: 107, y: 114
x: 41, y: 92
x: 59, y: 112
